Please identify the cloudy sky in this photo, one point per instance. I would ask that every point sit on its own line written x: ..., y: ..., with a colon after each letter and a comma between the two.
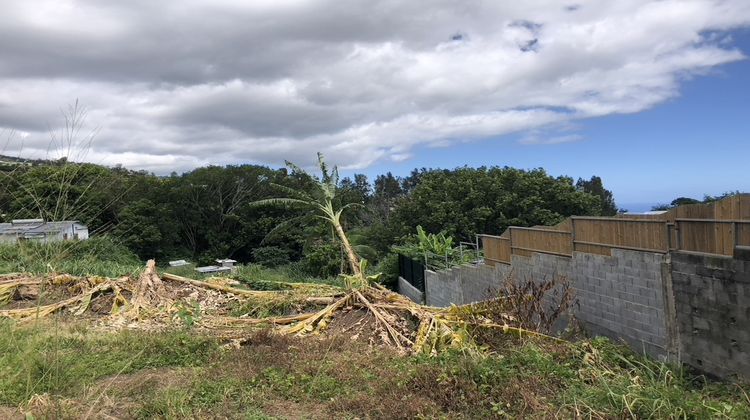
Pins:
x: 376, y: 85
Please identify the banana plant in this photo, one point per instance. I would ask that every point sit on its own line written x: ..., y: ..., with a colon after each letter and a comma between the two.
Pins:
x: 319, y: 202
x: 438, y: 244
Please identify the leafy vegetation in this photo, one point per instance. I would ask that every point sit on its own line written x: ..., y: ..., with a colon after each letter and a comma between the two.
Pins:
x: 681, y: 201
x: 101, y: 256
x: 176, y: 374
x: 436, y: 250
x: 57, y: 358
x: 60, y: 368
x: 206, y: 213
x: 319, y: 203
x: 595, y: 187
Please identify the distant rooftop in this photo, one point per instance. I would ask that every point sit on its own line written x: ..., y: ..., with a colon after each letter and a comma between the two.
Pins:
x: 212, y: 269
x: 34, y: 226
x: 646, y: 213
x: 26, y: 221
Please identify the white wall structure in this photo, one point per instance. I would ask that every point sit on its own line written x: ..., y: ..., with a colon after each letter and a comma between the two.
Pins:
x: 41, y: 231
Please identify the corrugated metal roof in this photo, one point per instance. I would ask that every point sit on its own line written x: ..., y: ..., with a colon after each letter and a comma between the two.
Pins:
x: 26, y: 221
x: 36, y: 228
x: 212, y: 269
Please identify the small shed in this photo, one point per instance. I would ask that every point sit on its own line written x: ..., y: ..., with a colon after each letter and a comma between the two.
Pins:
x: 225, y: 265
x: 178, y: 263
x: 213, y: 269
x: 39, y: 230
x: 226, y: 262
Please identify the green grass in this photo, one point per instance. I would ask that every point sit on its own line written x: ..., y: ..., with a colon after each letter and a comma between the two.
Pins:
x: 100, y: 256
x: 257, y: 277
x: 61, y: 359
x: 281, y: 377
x: 619, y: 381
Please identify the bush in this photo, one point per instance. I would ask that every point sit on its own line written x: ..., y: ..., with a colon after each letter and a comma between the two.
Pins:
x: 271, y: 256
x: 435, y: 250
x: 323, y: 260
x: 388, y: 266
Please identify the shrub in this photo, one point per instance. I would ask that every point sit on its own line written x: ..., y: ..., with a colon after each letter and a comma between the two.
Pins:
x: 323, y: 260
x: 271, y: 256
x: 437, y: 251
x: 388, y: 266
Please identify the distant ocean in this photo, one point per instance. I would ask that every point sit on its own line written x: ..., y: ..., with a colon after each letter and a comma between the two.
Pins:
x: 636, y: 207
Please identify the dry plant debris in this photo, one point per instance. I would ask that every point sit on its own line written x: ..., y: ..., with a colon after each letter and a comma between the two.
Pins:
x: 157, y: 302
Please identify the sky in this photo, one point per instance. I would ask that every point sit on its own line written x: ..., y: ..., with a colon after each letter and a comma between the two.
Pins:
x: 648, y: 95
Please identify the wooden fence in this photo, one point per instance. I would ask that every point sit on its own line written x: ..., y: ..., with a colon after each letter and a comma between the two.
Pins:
x: 718, y: 234
x: 600, y: 235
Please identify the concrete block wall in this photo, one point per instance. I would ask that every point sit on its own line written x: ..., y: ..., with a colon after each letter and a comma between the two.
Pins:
x: 540, y: 267
x: 463, y: 284
x: 406, y: 289
x: 692, y: 306
x: 443, y: 288
x: 543, y: 268
x: 619, y: 296
x: 622, y: 297
x: 712, y: 305
x: 481, y: 282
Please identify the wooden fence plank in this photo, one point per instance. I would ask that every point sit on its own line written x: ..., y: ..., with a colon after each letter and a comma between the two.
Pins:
x: 712, y: 228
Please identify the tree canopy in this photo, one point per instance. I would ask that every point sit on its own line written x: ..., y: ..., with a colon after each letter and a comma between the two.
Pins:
x: 206, y: 213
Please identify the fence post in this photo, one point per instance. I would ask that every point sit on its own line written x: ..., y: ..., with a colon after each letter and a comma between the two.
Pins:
x: 476, y: 242
x: 510, y: 241
x: 572, y: 235
x: 669, y: 236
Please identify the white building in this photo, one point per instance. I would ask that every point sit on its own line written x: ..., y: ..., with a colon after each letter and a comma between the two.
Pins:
x: 39, y: 230
x: 226, y: 265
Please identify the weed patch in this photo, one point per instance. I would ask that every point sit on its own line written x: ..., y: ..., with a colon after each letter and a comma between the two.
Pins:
x: 50, y: 357
x: 55, y: 369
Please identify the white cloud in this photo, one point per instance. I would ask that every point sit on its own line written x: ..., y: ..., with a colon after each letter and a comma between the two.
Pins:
x: 175, y: 84
x: 535, y: 138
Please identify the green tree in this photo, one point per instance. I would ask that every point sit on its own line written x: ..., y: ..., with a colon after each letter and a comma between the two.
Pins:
x: 681, y: 201
x: 319, y: 201
x: 595, y: 187
x: 466, y: 201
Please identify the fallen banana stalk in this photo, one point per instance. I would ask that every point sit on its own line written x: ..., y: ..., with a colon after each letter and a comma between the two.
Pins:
x: 320, y: 300
x: 78, y: 303
x: 222, y: 288
x: 308, y: 323
x: 213, y: 321
x: 395, y: 335
x: 21, y: 282
x: 506, y: 328
x: 13, y: 276
x: 8, y: 288
x: 147, y: 301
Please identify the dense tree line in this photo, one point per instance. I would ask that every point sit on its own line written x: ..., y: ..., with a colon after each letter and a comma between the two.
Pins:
x: 206, y: 213
x: 681, y: 201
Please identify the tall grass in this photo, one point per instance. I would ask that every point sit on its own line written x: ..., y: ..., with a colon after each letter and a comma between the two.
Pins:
x: 96, y: 256
x: 61, y: 359
x: 258, y: 277
x: 612, y: 379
